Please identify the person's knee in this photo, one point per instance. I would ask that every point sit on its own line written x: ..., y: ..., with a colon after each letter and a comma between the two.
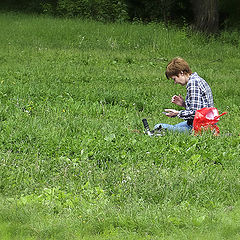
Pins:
x: 157, y: 126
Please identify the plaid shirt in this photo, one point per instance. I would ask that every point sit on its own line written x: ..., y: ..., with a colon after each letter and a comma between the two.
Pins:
x: 199, y: 95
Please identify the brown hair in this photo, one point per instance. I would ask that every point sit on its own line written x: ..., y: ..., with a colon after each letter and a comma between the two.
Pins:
x: 176, y: 66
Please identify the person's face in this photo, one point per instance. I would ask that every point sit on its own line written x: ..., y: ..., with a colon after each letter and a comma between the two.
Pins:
x: 181, y: 79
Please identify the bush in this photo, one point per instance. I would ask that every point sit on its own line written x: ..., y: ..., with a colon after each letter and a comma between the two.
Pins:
x: 103, y: 10
x: 229, y: 13
x: 33, y: 6
x: 159, y: 10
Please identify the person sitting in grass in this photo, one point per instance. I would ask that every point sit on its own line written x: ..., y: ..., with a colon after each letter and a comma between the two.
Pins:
x: 199, y: 95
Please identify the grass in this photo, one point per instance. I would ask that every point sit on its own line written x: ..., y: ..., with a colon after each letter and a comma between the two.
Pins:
x: 74, y: 163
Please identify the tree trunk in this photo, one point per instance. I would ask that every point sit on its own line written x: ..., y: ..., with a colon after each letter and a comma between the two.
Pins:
x: 206, y: 17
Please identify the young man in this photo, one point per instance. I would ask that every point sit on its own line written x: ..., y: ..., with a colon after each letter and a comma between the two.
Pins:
x: 199, y: 95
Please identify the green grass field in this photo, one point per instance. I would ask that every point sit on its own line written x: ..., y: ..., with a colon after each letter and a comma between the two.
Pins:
x: 74, y: 162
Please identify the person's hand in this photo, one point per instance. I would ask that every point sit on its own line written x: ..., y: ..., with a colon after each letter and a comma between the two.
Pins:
x: 178, y: 100
x: 171, y: 112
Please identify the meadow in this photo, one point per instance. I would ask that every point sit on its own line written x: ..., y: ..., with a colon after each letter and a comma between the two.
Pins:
x: 74, y: 162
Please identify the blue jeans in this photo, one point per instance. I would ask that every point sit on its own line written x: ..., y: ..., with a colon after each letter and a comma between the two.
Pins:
x: 180, y: 127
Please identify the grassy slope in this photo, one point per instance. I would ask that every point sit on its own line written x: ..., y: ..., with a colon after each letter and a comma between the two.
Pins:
x: 72, y: 164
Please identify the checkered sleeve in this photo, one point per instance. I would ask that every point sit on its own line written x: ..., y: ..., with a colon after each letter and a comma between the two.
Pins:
x: 193, y: 100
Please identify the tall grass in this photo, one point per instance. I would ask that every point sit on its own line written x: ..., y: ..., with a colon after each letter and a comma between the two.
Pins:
x: 73, y: 160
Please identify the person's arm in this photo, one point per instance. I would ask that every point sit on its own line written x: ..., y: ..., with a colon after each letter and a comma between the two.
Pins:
x: 193, y: 99
x: 178, y: 100
x: 171, y: 112
x: 186, y: 114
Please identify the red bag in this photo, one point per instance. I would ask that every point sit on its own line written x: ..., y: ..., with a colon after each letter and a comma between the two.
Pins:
x: 206, y: 118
